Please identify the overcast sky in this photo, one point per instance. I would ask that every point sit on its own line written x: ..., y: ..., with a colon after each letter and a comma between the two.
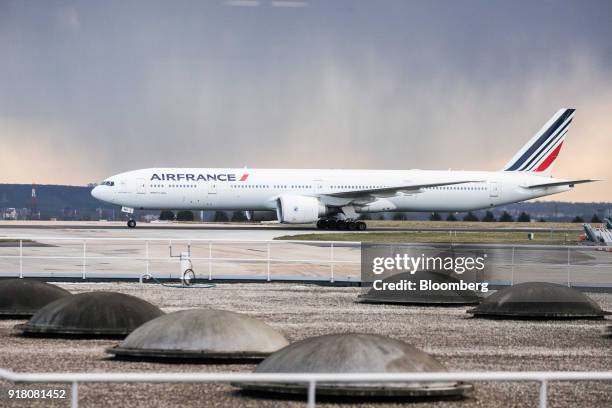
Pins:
x: 90, y: 89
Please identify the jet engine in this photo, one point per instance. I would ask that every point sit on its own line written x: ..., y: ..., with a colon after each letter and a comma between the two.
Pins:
x: 294, y: 209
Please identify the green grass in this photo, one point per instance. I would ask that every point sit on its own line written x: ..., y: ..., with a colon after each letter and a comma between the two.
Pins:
x: 472, y: 224
x: 542, y: 238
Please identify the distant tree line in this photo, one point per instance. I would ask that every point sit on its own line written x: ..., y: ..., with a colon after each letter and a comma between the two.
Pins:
x: 239, y: 216
x: 184, y: 215
x: 187, y: 215
x: 594, y: 219
x: 488, y: 217
x: 505, y: 217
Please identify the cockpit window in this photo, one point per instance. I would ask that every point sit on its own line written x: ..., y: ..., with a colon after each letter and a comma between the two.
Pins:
x: 107, y: 183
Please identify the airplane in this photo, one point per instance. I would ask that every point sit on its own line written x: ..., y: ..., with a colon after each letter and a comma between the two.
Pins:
x: 335, y: 199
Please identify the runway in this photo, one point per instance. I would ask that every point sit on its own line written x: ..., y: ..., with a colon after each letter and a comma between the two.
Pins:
x: 147, y: 230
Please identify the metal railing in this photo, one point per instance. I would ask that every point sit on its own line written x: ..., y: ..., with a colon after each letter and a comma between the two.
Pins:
x: 564, y: 251
x: 326, y: 254
x: 309, y: 379
x: 85, y: 256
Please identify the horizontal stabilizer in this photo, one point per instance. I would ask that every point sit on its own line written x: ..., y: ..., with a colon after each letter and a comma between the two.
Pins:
x: 560, y: 183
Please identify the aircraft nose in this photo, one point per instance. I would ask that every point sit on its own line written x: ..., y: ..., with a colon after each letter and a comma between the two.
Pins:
x: 96, y: 192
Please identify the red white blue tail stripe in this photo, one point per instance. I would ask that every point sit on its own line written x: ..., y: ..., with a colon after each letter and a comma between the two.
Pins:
x: 541, y: 151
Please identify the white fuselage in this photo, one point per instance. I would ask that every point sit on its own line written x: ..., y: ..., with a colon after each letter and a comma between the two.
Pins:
x: 260, y: 189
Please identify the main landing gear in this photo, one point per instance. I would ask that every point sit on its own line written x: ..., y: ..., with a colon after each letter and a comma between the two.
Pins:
x: 342, y: 225
x: 131, y: 223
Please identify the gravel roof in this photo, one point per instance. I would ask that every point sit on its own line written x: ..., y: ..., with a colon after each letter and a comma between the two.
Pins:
x: 299, y: 311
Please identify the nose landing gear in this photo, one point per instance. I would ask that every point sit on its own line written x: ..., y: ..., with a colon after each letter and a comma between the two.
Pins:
x: 130, y: 212
x: 341, y: 225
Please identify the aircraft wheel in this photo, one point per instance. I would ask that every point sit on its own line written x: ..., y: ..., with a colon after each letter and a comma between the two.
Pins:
x: 332, y: 224
x: 131, y: 224
x: 361, y: 226
x: 322, y: 224
x: 341, y: 225
x: 352, y: 225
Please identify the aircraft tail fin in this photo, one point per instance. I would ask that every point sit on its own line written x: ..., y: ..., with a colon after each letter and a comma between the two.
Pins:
x: 539, y: 154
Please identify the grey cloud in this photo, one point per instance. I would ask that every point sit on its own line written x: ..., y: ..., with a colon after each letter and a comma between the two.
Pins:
x: 392, y: 84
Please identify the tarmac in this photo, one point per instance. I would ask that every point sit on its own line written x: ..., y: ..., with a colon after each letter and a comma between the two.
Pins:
x: 300, y: 311
x: 119, y: 229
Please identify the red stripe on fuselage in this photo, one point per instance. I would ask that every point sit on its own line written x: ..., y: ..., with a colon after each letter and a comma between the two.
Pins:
x: 244, y: 177
x: 551, y: 158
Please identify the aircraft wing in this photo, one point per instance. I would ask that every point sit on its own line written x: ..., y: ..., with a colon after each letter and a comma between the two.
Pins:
x: 560, y: 183
x: 391, y: 191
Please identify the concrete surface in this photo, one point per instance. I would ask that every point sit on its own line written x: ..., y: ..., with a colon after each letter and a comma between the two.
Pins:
x: 148, y: 230
x: 300, y: 311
